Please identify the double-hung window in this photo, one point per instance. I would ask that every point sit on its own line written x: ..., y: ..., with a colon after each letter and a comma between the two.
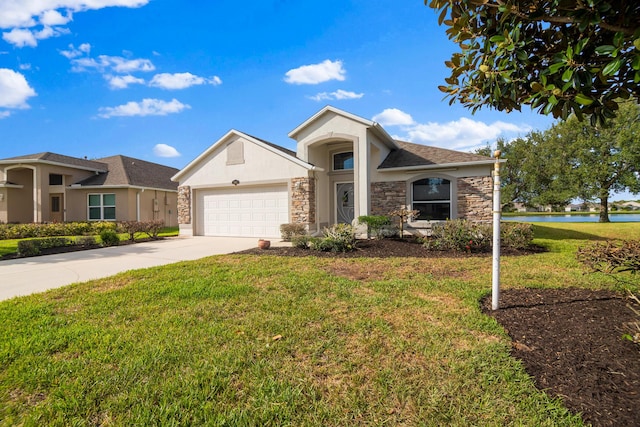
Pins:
x: 102, y: 207
x: 432, y: 198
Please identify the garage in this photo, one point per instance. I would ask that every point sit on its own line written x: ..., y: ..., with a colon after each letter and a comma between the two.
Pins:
x: 242, y: 212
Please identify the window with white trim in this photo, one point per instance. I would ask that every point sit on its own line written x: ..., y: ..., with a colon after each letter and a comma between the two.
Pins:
x: 432, y: 198
x: 102, y: 207
x: 343, y: 161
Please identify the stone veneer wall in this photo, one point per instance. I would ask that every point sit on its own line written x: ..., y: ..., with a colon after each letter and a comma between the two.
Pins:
x: 184, y: 205
x: 303, y: 201
x: 387, y: 196
x: 475, y: 198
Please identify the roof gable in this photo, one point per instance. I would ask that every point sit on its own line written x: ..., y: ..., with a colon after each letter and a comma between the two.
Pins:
x: 416, y: 155
x: 274, y: 148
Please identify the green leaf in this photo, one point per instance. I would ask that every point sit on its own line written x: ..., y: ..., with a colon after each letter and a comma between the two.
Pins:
x: 583, y: 99
x: 497, y: 39
x: 636, y: 43
x: 554, y: 68
x: 567, y: 75
x: 612, y: 67
x: 605, y: 49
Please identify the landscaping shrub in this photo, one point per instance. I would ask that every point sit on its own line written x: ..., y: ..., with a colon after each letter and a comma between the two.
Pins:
x: 516, y: 235
x: 460, y: 235
x: 302, y: 242
x: 86, y: 241
x: 131, y: 228
x: 337, y: 238
x: 152, y: 228
x: 109, y: 238
x: 377, y: 225
x: 469, y: 236
x: 404, y: 214
x: 289, y: 231
x: 34, y: 246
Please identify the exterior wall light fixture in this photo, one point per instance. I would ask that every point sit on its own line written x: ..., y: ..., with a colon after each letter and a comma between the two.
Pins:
x: 235, y: 182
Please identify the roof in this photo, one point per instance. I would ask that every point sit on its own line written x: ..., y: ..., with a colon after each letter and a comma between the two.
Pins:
x: 276, y: 146
x: 415, y: 155
x: 58, y: 159
x: 130, y: 172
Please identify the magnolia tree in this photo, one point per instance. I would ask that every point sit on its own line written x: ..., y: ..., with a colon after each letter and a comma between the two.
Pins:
x: 561, y: 57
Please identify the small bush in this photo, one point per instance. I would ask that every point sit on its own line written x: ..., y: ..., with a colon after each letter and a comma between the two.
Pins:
x: 376, y: 225
x: 460, y: 235
x: 302, y: 242
x: 338, y: 238
x: 289, y: 231
x: 516, y: 235
x: 28, y: 248
x: 109, y: 238
x: 131, y: 228
x: 152, y: 228
x: 86, y: 241
x: 34, y: 247
x: 469, y: 236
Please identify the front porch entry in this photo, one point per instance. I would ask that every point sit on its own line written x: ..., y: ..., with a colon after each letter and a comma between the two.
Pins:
x: 56, y: 203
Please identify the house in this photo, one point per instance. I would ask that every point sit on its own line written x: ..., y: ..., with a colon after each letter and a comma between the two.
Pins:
x: 344, y: 166
x: 50, y: 187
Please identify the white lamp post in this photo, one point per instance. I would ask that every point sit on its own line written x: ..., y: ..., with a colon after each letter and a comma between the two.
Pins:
x: 495, y: 288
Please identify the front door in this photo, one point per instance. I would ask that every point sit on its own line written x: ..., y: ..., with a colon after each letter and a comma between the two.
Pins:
x: 344, y: 202
x: 55, y: 204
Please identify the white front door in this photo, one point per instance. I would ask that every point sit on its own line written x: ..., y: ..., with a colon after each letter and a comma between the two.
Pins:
x: 243, y: 212
x: 344, y: 202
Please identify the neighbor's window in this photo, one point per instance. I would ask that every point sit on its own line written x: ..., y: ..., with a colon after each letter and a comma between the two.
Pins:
x: 432, y: 197
x: 343, y: 161
x: 102, y: 207
x: 55, y: 179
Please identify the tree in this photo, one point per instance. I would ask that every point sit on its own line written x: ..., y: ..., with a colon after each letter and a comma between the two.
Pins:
x: 561, y: 57
x: 573, y: 159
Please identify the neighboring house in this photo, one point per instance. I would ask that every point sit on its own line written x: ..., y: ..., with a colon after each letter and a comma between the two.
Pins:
x: 344, y: 166
x: 49, y: 187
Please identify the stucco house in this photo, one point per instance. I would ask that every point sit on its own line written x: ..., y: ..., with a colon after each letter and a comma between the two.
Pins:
x: 344, y: 166
x: 50, y: 187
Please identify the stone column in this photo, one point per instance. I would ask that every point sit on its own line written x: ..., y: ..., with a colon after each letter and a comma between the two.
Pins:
x: 303, y: 201
x: 184, y: 205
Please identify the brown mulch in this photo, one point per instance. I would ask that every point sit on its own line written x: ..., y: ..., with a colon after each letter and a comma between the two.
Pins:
x: 569, y: 340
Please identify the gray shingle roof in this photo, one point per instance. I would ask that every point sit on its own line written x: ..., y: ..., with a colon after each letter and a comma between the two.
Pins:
x: 411, y: 154
x: 276, y: 146
x: 49, y: 157
x: 127, y: 171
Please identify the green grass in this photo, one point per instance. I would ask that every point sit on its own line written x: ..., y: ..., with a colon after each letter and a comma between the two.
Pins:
x: 10, y: 246
x: 241, y: 340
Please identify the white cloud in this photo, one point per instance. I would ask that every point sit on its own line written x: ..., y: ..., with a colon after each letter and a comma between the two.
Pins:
x: 122, y: 82
x: 29, y: 13
x: 21, y: 37
x: 83, y: 49
x: 116, y: 64
x: 148, y: 107
x: 164, y: 150
x: 393, y: 117
x: 337, y: 95
x: 462, y: 134
x: 316, y: 73
x: 4, y: 114
x: 14, y: 90
x: 53, y: 17
x: 25, y: 66
x: 181, y: 80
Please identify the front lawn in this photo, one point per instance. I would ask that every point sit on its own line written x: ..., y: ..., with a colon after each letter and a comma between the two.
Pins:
x: 269, y: 340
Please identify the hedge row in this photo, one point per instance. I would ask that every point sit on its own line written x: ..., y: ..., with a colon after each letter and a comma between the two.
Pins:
x: 84, y: 228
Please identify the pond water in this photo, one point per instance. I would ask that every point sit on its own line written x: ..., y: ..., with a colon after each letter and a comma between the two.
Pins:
x: 572, y: 218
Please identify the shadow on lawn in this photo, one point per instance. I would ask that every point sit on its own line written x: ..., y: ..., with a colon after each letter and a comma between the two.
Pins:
x: 552, y: 233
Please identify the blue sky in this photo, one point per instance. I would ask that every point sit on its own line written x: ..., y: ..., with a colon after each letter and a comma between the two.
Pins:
x: 162, y: 80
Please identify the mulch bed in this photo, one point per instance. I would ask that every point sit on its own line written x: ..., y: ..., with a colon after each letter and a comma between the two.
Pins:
x: 569, y: 340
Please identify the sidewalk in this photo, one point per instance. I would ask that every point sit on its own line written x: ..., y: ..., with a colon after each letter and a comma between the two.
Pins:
x: 37, y: 274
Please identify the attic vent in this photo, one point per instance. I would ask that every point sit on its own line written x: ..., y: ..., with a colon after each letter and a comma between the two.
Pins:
x: 235, y: 153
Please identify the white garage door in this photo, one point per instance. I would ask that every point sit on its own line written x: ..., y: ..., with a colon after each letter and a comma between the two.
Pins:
x: 243, y: 212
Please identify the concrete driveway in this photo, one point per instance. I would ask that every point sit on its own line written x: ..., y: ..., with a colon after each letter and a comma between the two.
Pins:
x: 37, y: 274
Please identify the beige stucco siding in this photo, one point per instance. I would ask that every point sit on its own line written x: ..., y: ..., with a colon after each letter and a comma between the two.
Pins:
x: 456, y: 172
